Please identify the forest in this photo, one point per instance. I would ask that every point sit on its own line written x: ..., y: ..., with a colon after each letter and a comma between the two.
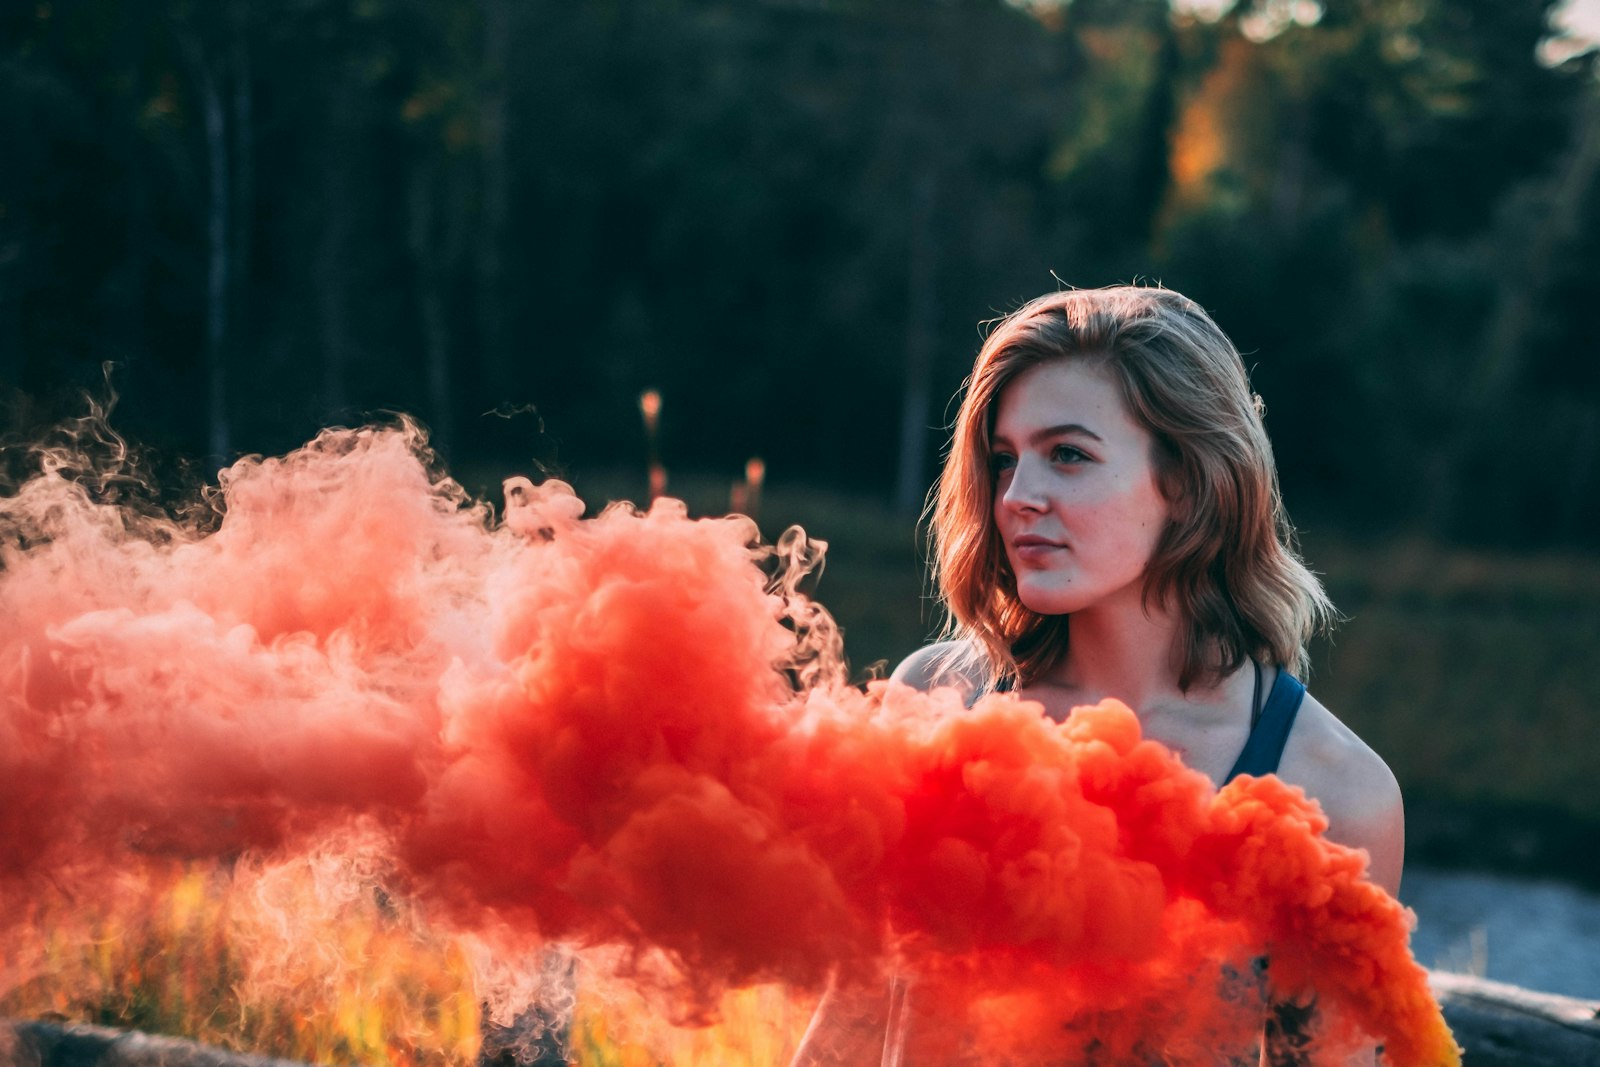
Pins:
x: 509, y: 218
x: 572, y: 239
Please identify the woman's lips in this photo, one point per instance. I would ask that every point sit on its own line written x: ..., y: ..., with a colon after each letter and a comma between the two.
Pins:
x: 1035, y: 550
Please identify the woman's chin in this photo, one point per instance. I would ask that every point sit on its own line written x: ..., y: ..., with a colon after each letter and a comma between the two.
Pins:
x: 1048, y: 601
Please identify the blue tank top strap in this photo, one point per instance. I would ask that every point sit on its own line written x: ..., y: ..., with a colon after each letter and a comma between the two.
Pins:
x: 1264, y: 748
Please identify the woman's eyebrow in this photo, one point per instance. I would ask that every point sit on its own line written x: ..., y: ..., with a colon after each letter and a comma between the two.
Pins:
x: 1066, y: 429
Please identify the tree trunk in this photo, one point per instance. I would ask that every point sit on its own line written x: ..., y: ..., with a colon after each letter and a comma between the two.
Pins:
x: 331, y: 273
x: 430, y: 267
x: 922, y: 308
x: 1523, y: 284
x: 1506, y: 340
x: 243, y: 217
x: 496, y: 194
x: 1290, y: 176
x: 219, y: 438
x: 1577, y: 501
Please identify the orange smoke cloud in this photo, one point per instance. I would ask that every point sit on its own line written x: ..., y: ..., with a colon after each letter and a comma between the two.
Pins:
x: 626, y: 732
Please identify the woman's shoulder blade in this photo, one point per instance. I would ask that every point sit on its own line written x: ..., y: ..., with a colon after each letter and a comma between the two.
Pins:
x: 944, y: 663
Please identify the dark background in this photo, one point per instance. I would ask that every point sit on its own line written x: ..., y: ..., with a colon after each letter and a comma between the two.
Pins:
x: 790, y: 217
x: 510, y: 217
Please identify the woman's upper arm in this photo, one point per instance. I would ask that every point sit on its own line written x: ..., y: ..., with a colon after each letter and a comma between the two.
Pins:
x: 940, y: 664
x: 1356, y: 789
x: 1375, y: 822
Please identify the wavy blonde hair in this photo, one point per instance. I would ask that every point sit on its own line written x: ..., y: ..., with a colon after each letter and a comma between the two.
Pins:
x: 1227, y: 561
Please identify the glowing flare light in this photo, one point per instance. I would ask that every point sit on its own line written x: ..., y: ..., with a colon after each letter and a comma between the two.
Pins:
x: 623, y: 733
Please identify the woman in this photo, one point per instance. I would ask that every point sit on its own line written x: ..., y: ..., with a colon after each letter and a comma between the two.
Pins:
x: 1108, y: 524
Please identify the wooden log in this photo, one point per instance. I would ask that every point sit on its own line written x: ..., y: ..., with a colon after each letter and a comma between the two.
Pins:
x: 30, y: 1043
x: 1497, y: 1025
x: 1500, y: 1025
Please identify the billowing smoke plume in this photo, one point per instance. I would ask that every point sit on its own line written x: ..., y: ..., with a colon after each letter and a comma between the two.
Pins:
x: 630, y: 733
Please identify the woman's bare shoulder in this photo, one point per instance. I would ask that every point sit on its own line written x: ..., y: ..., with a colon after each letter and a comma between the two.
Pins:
x: 944, y: 663
x: 1354, y: 786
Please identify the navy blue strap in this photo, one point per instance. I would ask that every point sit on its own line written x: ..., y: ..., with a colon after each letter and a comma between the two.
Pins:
x: 1264, y: 748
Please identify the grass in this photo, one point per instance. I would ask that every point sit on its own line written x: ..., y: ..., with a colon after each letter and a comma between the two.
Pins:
x: 1473, y: 675
x: 285, y: 961
x: 202, y: 953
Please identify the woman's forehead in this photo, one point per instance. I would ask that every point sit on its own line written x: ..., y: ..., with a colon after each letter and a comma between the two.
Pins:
x: 1063, y: 393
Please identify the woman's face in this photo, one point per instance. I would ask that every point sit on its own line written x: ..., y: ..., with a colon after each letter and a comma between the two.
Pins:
x: 1076, y: 499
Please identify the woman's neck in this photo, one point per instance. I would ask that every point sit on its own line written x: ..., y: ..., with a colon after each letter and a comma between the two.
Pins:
x: 1120, y: 651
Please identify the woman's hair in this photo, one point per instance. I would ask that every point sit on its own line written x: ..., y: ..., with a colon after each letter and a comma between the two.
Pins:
x: 1226, y: 563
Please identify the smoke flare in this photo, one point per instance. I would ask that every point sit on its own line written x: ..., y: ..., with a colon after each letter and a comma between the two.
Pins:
x: 630, y: 733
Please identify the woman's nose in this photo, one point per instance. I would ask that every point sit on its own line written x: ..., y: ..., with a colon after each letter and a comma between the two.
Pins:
x: 1024, y: 490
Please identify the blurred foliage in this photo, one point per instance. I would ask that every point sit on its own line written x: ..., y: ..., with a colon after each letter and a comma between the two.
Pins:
x: 275, y: 216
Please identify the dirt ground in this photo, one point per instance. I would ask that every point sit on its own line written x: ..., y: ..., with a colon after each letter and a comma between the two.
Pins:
x: 1540, y: 935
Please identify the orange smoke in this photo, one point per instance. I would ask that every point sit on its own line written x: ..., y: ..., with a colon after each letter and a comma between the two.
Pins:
x: 630, y: 732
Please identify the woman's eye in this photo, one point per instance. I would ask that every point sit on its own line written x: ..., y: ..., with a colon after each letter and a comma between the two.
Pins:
x: 1000, y: 461
x: 1068, y: 454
